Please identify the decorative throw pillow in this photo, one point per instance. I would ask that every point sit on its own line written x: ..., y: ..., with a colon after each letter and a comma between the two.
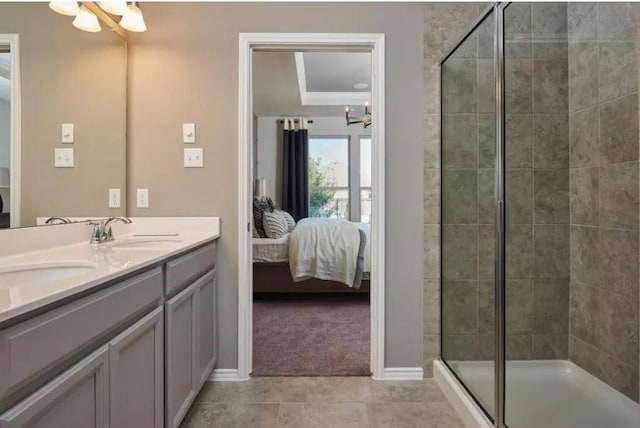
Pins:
x: 260, y: 205
x: 291, y: 223
x: 275, y: 225
x: 255, y: 232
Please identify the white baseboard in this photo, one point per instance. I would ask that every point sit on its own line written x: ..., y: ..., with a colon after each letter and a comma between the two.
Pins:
x: 402, y: 373
x: 464, y: 405
x: 225, y: 375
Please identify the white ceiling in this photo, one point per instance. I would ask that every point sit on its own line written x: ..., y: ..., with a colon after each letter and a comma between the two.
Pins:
x: 5, y: 88
x: 337, y: 71
x: 328, y: 79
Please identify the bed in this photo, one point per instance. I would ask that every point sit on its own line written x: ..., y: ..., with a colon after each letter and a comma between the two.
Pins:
x: 272, y: 267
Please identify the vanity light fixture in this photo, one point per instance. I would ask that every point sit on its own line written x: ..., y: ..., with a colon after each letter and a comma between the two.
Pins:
x: 133, y: 20
x: 365, y: 120
x: 69, y: 8
x: 114, y: 7
x: 86, y: 21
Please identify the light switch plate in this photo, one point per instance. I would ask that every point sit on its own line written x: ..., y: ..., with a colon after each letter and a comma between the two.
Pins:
x: 142, y: 198
x: 189, y: 132
x: 193, y: 158
x: 67, y: 133
x: 114, y: 198
x: 63, y: 158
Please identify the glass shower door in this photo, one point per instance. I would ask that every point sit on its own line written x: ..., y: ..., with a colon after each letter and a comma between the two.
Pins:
x: 468, y: 212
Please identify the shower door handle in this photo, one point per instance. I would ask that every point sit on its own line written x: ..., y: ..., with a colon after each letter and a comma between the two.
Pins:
x: 504, y: 216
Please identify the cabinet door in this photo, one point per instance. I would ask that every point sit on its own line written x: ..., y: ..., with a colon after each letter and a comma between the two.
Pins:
x: 136, y: 374
x: 181, y: 354
x: 77, y: 398
x: 207, y: 327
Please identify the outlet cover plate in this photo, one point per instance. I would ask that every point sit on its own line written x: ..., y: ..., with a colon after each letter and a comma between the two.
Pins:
x: 114, y: 198
x: 63, y: 158
x: 193, y: 158
x: 142, y: 198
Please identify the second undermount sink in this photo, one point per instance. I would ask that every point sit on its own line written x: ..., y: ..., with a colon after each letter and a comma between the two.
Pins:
x: 29, y: 273
x: 144, y: 243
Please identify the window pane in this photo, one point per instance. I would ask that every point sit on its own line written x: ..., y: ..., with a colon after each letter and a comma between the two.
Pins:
x: 329, y: 177
x: 365, y: 180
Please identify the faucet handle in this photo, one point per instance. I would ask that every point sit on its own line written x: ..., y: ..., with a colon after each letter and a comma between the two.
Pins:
x: 97, y: 232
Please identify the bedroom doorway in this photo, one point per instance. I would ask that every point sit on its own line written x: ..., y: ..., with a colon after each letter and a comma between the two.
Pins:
x: 328, y: 197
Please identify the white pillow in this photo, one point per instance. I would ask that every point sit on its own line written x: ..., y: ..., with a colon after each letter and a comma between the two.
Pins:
x: 275, y: 224
x: 291, y: 223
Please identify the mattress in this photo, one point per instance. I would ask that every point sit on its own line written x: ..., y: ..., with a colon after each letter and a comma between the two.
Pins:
x: 267, y: 250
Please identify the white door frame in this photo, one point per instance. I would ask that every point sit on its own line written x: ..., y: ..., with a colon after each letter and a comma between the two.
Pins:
x: 13, y: 40
x: 289, y: 41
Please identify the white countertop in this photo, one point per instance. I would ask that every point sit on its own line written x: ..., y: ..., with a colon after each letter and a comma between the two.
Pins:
x: 52, y: 246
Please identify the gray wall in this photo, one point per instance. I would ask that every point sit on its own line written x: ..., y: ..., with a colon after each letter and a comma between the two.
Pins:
x: 185, y: 69
x: 603, y: 106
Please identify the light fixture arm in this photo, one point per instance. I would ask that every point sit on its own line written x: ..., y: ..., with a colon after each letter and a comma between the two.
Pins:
x: 366, y: 120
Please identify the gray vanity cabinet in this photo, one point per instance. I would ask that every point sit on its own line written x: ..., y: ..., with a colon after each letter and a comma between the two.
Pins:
x: 76, y: 398
x: 136, y: 374
x: 181, y: 354
x: 191, y: 344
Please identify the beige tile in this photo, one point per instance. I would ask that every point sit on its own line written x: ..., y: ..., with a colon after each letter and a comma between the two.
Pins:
x: 550, y: 90
x: 430, y: 352
x: 518, y: 83
x: 550, y: 308
x: 551, y: 251
x: 459, y: 252
x: 459, y: 307
x: 415, y: 391
x: 431, y: 310
x: 519, y: 141
x: 583, y: 75
x: 213, y: 392
x: 584, y: 138
x: 220, y: 415
x: 551, y: 141
x: 268, y: 390
x: 585, y: 242
x: 619, y: 196
x: 618, y: 257
x: 413, y: 415
x: 345, y: 389
x: 585, y: 303
x: 619, y: 130
x: 459, y: 196
x: 551, y: 196
x: 431, y: 196
x: 585, y: 200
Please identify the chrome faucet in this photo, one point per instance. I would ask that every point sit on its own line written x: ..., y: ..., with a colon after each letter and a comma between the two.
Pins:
x: 60, y: 220
x: 102, y: 229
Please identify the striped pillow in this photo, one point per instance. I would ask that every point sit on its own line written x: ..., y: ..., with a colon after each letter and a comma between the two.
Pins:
x: 260, y: 205
x: 275, y: 225
x: 291, y: 223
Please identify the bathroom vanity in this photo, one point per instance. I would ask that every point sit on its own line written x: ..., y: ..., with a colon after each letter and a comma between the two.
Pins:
x: 121, y: 334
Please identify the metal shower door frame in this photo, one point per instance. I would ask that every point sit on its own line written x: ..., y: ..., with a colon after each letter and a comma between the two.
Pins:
x: 501, y: 210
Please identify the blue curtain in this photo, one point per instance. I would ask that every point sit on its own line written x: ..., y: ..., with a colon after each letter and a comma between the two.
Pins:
x: 295, y: 173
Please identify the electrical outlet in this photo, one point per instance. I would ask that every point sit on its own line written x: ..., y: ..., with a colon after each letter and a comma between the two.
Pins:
x: 193, y: 158
x: 189, y: 132
x: 63, y: 158
x: 143, y: 198
x: 114, y: 198
x: 67, y: 133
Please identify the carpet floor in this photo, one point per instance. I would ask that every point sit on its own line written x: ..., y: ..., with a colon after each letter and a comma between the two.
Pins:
x: 311, y: 335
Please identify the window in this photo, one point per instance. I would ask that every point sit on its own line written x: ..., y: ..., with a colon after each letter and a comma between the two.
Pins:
x: 329, y: 177
x: 365, y: 179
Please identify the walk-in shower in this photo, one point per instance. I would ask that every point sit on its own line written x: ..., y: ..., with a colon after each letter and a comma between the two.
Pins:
x: 540, y: 215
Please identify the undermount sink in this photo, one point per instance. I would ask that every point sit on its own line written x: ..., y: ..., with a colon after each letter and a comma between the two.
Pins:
x: 25, y: 274
x: 145, y: 243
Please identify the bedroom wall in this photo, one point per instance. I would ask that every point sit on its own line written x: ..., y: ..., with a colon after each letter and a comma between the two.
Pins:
x: 185, y: 69
x: 269, y: 149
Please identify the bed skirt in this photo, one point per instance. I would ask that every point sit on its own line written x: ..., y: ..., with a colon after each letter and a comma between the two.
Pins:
x: 276, y: 278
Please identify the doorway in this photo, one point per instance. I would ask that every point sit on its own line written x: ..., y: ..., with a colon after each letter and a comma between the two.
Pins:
x: 275, y: 42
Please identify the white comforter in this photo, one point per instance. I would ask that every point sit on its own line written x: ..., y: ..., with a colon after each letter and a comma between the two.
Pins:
x: 325, y: 249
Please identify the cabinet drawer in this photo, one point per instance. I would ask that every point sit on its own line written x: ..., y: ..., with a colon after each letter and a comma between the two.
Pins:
x: 30, y: 348
x: 187, y: 268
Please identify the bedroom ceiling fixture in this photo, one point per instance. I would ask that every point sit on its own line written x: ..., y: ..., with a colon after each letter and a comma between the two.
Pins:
x: 365, y: 120
x: 361, y: 85
x: 68, y: 8
x: 86, y: 20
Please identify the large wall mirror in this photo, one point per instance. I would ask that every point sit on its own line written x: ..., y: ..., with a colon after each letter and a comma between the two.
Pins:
x: 53, y: 75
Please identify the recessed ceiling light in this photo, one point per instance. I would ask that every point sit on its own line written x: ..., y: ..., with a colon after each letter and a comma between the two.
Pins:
x: 361, y: 86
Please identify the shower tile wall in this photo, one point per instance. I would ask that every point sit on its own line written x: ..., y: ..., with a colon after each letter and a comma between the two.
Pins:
x: 603, y: 106
x: 444, y: 24
x: 537, y: 159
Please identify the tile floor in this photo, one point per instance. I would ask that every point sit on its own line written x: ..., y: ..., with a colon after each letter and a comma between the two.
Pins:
x: 332, y: 402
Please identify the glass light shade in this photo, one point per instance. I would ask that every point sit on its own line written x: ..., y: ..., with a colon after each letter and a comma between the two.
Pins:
x: 69, y: 8
x: 132, y: 20
x: 114, y: 7
x: 86, y: 21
